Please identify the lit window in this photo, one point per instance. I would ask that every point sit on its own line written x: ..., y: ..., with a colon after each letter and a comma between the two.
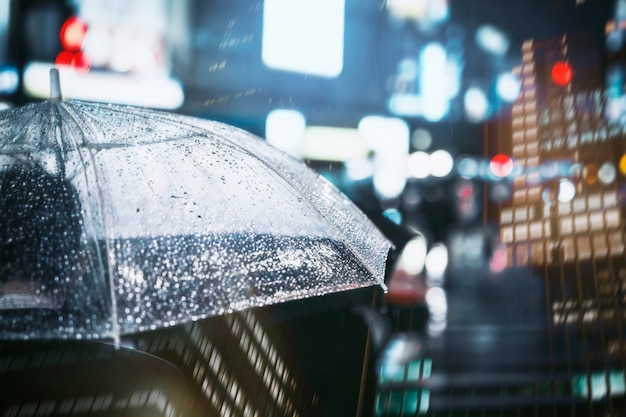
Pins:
x: 610, y: 199
x: 579, y: 204
x: 519, y: 196
x: 507, y: 234
x: 521, y: 214
x: 596, y: 220
x: 521, y: 232
x: 581, y: 223
x: 565, y: 208
x: 566, y: 226
x: 593, y: 201
x: 536, y: 230
x: 612, y: 218
x: 506, y: 216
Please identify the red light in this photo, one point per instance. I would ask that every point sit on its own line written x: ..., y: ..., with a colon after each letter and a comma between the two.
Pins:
x: 73, y: 34
x: 501, y: 165
x: 562, y: 73
x: 76, y: 60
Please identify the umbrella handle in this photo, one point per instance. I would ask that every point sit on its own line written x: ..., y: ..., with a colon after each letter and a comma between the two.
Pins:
x: 55, y: 84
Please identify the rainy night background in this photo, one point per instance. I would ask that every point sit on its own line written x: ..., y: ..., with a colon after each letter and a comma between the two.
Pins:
x: 486, y: 139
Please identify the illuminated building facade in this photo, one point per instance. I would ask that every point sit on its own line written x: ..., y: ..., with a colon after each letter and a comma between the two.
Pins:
x: 224, y: 366
x: 236, y: 365
x: 566, y: 217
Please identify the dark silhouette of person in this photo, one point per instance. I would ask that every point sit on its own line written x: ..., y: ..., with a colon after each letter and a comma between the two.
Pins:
x: 46, y: 269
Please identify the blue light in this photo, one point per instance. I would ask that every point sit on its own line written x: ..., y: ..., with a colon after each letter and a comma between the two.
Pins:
x: 508, y: 87
x: 9, y: 80
x: 492, y: 40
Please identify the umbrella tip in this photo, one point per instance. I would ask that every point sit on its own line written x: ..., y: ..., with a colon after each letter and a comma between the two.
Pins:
x: 55, y: 85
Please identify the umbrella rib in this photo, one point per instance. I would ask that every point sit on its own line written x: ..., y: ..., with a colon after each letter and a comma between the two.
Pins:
x: 114, y: 317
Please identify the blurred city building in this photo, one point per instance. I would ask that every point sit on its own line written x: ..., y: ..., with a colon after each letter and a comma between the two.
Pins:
x: 565, y: 217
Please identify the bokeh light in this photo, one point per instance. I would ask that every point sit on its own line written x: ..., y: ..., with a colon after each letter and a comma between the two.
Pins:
x: 501, y: 165
x: 437, y: 261
x: 562, y: 73
x: 622, y: 165
x: 508, y: 87
x: 607, y: 173
x: 394, y: 215
x: 419, y: 165
x: 9, y: 80
x: 414, y: 253
x: 441, y: 163
x: 476, y: 104
x: 421, y: 139
x: 73, y: 34
x: 468, y: 167
x: 284, y: 129
x: 590, y: 173
x: 567, y: 191
x: 78, y: 61
x: 433, y: 82
x: 492, y: 40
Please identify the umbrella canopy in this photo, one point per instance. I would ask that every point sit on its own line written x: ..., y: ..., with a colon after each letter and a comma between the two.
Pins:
x: 115, y: 220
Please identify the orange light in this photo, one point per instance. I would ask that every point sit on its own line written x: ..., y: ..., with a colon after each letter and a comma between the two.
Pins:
x: 622, y: 164
x: 73, y: 34
x: 590, y: 173
x: 501, y: 165
x: 562, y: 73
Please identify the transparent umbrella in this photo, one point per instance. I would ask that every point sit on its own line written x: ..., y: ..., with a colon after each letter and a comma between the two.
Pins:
x: 116, y: 220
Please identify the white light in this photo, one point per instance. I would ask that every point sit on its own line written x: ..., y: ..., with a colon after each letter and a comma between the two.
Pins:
x: 476, y: 104
x: 387, y: 185
x: 441, y: 163
x: 284, y: 129
x: 433, y: 82
x: 405, y: 104
x: 437, y: 261
x: 607, y: 173
x: 122, y: 51
x: 419, y: 165
x: 413, y: 257
x: 156, y: 91
x: 436, y: 301
x: 372, y: 130
x: 389, y: 138
x: 387, y: 135
x: 508, y: 87
x: 98, y: 45
x: 304, y: 36
x: 567, y: 191
x: 359, y: 169
x: 407, y: 9
x: 492, y: 40
x: 327, y: 143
